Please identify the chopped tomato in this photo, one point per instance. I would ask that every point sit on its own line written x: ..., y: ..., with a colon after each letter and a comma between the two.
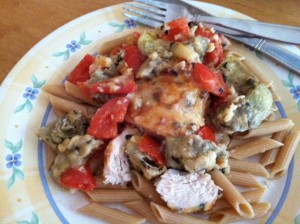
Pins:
x: 151, y: 147
x: 104, y: 124
x: 177, y: 30
x: 207, y: 133
x: 81, y: 72
x: 117, y: 85
x: 133, y: 57
x: 80, y: 178
x: 204, y: 32
x: 215, y: 57
x: 209, y: 81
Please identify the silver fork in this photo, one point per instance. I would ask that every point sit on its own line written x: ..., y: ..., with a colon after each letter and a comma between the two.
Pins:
x: 159, y: 9
x: 156, y: 13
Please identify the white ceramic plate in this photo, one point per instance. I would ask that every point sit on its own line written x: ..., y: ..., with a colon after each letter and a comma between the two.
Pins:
x: 27, y: 192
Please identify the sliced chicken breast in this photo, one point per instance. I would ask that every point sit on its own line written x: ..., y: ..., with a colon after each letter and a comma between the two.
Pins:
x: 116, y: 165
x: 168, y: 105
x: 187, y: 192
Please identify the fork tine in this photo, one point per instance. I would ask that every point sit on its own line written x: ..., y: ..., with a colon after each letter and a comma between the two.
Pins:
x: 156, y: 11
x: 157, y: 4
x: 147, y: 22
x: 145, y: 15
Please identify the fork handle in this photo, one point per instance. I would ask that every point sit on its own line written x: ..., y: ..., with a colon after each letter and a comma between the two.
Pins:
x: 283, y: 56
x: 282, y: 33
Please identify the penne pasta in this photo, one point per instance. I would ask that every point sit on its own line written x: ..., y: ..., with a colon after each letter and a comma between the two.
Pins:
x: 251, y: 196
x: 269, y: 156
x: 232, y: 195
x: 50, y: 155
x: 243, y: 179
x: 59, y: 90
x: 113, y: 195
x: 111, y: 215
x: 74, y: 91
x: 253, y: 148
x: 167, y: 216
x: 285, y: 154
x: 143, y: 208
x: 239, y: 141
x: 230, y: 215
x: 267, y: 127
x: 145, y: 188
x: 248, y: 167
x: 67, y: 106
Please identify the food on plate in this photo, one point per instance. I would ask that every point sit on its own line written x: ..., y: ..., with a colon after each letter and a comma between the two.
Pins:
x: 163, y: 113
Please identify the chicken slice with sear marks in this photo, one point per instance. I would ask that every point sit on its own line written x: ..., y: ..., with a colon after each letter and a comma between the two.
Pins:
x: 168, y: 105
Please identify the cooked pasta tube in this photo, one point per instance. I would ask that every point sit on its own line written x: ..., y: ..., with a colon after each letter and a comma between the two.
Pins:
x: 267, y: 127
x: 111, y: 215
x: 59, y: 90
x: 50, y: 155
x: 143, y: 208
x: 168, y: 216
x: 269, y: 156
x: 230, y: 215
x: 248, y: 167
x: 253, y: 148
x: 239, y: 141
x: 113, y: 195
x: 243, y: 179
x: 232, y: 195
x: 251, y: 196
x: 285, y: 154
x: 67, y: 106
x: 145, y: 188
x: 74, y: 91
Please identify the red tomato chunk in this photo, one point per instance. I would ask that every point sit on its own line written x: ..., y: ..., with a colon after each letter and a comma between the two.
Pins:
x: 104, y: 124
x: 209, y: 81
x: 179, y: 30
x: 207, y: 133
x: 81, y: 72
x: 151, y: 147
x: 80, y: 178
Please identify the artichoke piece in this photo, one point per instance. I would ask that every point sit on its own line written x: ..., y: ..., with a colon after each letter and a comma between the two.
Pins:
x: 148, y: 43
x: 252, y: 105
x: 141, y: 161
x: 192, y: 153
x: 74, y: 123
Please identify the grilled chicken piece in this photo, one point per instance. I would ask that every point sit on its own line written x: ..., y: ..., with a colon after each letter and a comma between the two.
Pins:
x: 187, y: 192
x: 193, y: 153
x: 168, y: 105
x: 253, y: 101
x: 141, y: 161
x: 116, y: 165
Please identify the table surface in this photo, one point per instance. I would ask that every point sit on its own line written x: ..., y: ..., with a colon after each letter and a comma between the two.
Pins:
x: 24, y: 23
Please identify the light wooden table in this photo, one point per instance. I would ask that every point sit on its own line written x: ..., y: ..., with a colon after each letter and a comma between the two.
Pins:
x: 23, y: 23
